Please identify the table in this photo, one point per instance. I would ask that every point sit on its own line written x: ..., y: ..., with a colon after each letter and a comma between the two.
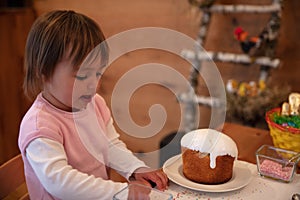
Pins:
x: 248, y: 140
x: 258, y: 188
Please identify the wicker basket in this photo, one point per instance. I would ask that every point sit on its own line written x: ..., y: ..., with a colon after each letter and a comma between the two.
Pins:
x: 283, y: 137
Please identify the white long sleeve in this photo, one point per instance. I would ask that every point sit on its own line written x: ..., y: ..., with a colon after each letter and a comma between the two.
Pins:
x: 60, y: 179
x: 120, y: 158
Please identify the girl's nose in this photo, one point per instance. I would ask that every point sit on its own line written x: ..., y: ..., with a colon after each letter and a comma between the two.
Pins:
x: 92, y: 83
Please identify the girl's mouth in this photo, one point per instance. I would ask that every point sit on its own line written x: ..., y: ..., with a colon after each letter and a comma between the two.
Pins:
x: 87, y: 98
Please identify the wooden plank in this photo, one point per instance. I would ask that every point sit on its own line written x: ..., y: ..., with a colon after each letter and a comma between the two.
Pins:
x: 11, y: 176
x: 15, y: 25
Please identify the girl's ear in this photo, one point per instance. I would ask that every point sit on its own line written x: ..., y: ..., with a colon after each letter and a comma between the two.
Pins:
x: 43, y: 78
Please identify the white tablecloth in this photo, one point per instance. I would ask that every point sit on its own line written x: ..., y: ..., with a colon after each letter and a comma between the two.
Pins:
x: 258, y: 188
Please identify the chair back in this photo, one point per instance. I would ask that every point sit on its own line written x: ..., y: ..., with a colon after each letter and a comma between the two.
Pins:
x: 12, y: 180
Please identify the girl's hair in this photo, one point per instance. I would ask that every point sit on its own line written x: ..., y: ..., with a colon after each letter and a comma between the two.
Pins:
x: 54, y: 36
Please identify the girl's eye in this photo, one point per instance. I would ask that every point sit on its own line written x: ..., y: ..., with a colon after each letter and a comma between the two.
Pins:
x: 81, y: 78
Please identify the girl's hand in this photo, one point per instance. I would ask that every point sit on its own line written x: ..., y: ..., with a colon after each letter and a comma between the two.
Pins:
x: 156, y: 177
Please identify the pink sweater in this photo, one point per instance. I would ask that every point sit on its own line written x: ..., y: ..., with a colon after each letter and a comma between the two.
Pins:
x: 68, y: 128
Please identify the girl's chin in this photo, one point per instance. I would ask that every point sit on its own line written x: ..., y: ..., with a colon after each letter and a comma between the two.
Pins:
x: 79, y: 107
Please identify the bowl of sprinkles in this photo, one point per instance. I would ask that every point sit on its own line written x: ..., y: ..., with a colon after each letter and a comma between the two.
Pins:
x: 284, y: 124
x: 276, y: 163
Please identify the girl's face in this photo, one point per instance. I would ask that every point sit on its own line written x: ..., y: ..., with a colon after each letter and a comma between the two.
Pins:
x: 72, y: 90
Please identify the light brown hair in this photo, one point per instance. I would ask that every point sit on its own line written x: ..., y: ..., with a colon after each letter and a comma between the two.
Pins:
x: 53, y: 36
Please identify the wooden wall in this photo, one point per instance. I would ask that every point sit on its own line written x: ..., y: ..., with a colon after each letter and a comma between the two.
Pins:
x: 117, y: 16
x: 14, y: 26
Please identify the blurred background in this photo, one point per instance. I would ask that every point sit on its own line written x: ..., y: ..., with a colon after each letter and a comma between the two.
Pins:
x: 16, y: 18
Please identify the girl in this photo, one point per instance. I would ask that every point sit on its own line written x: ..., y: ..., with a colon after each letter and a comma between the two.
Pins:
x: 67, y: 138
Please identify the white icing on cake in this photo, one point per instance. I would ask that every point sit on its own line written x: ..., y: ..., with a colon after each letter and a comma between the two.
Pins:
x: 210, y: 141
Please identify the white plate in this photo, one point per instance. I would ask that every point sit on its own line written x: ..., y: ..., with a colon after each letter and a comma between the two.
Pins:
x: 240, y: 178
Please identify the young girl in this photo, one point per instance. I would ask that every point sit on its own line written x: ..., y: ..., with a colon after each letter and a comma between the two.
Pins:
x: 67, y: 138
